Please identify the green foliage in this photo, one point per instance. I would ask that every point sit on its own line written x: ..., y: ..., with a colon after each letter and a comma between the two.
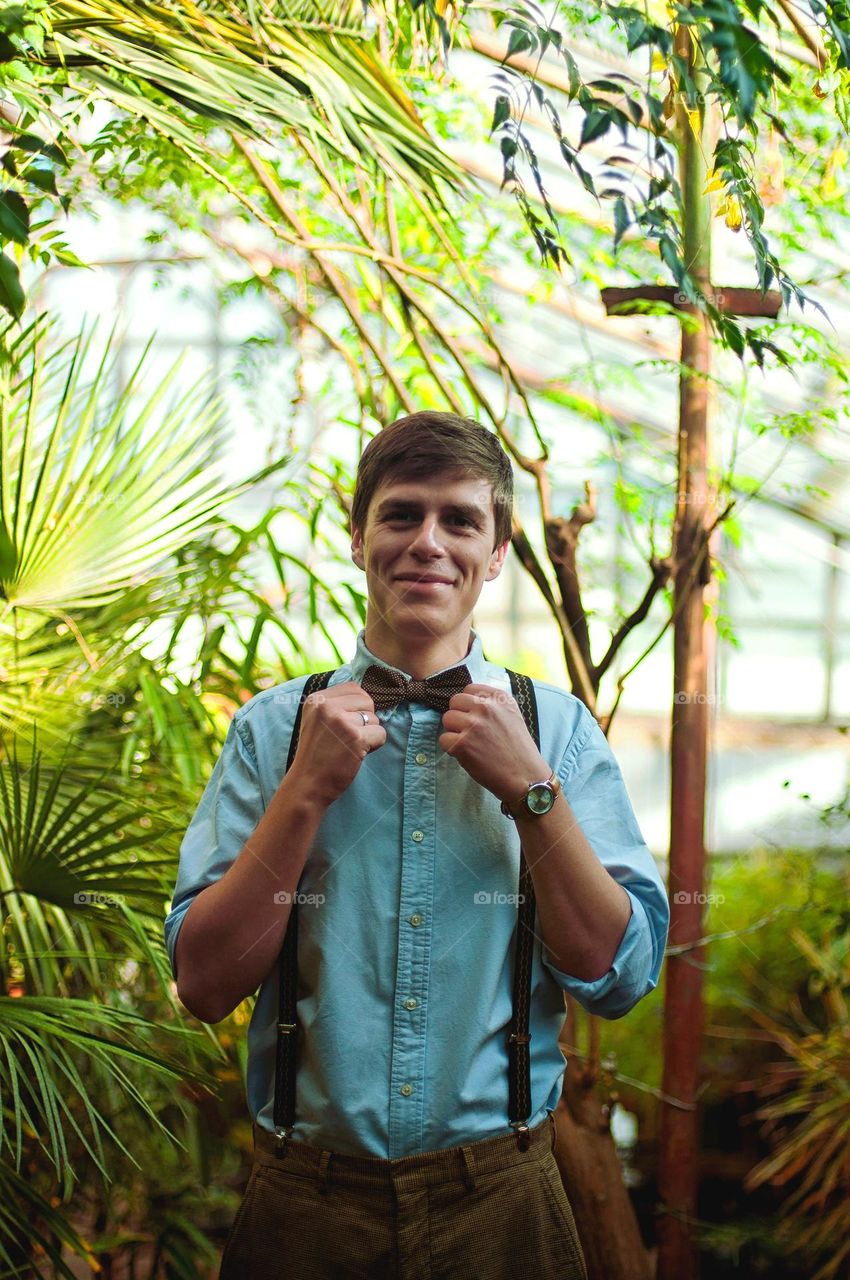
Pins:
x: 734, y: 75
x: 752, y: 903
x: 30, y: 166
x: 309, y: 71
x: 113, y: 510
x: 807, y: 1112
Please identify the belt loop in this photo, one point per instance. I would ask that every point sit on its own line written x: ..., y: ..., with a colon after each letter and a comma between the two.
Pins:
x: 468, y: 1168
x: 324, y: 1171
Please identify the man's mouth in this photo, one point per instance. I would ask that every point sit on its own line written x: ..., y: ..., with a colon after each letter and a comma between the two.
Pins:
x: 427, y: 581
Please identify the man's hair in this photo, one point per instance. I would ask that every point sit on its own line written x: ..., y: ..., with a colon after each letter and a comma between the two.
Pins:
x: 431, y: 443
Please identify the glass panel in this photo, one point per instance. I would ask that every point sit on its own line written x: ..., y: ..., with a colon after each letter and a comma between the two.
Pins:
x: 840, y: 698
x: 246, y: 317
x: 779, y: 571
x: 170, y: 300
x: 649, y: 688
x: 843, y: 583
x: 64, y: 295
x: 775, y: 673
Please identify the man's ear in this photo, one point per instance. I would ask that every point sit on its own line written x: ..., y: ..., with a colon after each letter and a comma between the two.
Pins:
x: 357, y: 548
x: 497, y: 559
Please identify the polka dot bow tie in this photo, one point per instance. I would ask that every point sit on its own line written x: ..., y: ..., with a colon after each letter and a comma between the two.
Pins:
x: 386, y: 688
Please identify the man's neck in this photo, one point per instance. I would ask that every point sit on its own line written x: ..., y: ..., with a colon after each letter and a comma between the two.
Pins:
x: 421, y: 657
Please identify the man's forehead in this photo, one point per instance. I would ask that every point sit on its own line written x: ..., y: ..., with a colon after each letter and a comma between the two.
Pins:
x: 457, y: 489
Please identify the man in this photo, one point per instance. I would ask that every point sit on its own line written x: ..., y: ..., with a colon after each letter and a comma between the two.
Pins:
x: 389, y: 831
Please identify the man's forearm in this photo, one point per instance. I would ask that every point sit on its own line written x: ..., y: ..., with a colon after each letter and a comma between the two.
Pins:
x: 583, y: 912
x: 234, y: 930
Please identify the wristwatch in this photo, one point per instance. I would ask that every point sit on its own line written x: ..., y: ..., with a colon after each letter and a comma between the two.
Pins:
x: 538, y: 799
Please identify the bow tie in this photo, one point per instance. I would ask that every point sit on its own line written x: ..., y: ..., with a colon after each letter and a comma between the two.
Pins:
x: 386, y: 688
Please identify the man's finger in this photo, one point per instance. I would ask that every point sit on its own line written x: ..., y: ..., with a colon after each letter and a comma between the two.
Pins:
x: 454, y: 726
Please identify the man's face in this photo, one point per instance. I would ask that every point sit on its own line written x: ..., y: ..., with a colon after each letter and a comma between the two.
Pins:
x: 441, y: 527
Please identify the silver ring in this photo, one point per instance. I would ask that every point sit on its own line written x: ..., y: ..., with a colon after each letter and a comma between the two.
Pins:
x: 365, y: 715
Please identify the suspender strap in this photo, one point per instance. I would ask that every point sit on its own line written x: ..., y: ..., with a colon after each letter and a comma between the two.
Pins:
x: 519, y: 1055
x: 287, y: 1021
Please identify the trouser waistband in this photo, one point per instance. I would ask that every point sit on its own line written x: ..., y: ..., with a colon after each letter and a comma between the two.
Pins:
x: 424, y: 1169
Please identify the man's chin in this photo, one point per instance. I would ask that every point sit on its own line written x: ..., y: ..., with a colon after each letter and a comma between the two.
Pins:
x: 422, y: 618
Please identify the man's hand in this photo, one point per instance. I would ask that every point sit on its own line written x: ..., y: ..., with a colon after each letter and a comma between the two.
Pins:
x: 485, y: 732
x: 334, y: 741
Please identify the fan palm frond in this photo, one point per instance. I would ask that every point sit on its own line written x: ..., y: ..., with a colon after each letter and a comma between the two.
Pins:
x: 70, y: 843
x: 43, y: 1040
x: 84, y: 871
x: 35, y: 1221
x: 85, y: 510
x: 310, y: 67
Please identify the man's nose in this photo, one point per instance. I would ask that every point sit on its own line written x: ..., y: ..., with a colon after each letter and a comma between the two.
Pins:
x: 427, y: 535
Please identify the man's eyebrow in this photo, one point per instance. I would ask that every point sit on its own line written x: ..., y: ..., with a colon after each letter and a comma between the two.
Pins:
x: 407, y: 504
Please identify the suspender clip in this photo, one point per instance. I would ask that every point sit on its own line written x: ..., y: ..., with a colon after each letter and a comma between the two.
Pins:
x: 519, y: 1037
x: 281, y: 1133
x: 523, y: 1134
x: 285, y: 1027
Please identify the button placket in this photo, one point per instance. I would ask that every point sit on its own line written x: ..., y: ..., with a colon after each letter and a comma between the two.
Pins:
x: 414, y: 935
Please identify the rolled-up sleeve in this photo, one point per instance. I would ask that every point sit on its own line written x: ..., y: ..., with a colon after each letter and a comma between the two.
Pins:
x: 594, y: 786
x: 227, y: 815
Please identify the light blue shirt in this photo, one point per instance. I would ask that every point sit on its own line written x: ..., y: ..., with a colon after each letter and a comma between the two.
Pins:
x: 406, y: 920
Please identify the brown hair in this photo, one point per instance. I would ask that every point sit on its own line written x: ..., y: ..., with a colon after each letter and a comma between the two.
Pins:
x: 430, y: 443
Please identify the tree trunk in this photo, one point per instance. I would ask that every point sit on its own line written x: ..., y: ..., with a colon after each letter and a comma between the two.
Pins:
x: 593, y: 1180
x: 678, y: 1171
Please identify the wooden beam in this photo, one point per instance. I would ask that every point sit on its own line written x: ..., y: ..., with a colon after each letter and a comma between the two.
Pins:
x: 731, y: 301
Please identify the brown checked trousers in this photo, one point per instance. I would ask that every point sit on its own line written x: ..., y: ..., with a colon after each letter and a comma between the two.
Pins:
x: 485, y: 1211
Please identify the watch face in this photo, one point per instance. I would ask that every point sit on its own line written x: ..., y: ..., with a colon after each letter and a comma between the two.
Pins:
x: 540, y: 798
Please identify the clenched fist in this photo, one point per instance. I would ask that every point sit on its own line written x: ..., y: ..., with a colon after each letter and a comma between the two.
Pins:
x: 334, y: 740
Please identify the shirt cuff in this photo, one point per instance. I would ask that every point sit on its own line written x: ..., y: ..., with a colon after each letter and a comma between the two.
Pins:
x: 171, y: 929
x: 628, y: 979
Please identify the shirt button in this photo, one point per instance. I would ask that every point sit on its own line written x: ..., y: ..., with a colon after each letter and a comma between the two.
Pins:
x: 410, y: 1003
x: 415, y: 920
x: 421, y: 757
x: 406, y: 1089
x: 418, y: 835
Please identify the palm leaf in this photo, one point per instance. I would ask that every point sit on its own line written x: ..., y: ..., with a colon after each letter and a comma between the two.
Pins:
x: 89, y: 506
x: 41, y: 1038
x: 76, y: 854
x: 309, y: 68
x: 24, y: 1210
x: 67, y: 842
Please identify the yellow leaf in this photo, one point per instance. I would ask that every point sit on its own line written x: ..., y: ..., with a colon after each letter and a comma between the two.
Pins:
x: 734, y: 217
x: 694, y: 121
x: 659, y: 62
x: 837, y: 161
x: 713, y: 182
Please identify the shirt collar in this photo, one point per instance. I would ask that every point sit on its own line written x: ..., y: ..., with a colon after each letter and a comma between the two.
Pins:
x: 474, y: 661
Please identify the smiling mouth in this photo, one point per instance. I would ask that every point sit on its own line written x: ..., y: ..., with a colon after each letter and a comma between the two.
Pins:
x: 424, y: 582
